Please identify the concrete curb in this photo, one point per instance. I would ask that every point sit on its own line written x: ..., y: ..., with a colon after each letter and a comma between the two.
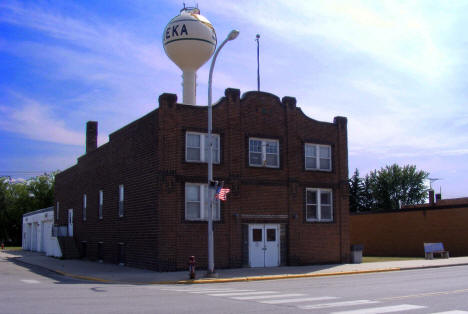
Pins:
x: 59, y: 272
x: 236, y: 279
x: 433, y: 266
x: 275, y: 277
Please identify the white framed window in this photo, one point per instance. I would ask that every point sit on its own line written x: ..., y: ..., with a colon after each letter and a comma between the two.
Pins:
x: 121, y: 200
x: 58, y: 210
x: 318, y: 157
x: 197, y: 202
x: 85, y: 201
x: 197, y: 147
x: 319, y: 204
x: 101, y: 202
x: 263, y: 153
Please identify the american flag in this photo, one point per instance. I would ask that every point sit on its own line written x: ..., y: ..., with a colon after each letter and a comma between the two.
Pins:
x: 221, y: 193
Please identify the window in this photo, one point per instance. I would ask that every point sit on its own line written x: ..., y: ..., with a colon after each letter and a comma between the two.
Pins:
x: 101, y: 202
x: 58, y: 210
x: 197, y: 147
x: 318, y: 157
x: 84, y: 207
x: 121, y: 200
x: 197, y: 202
x: 319, y: 205
x: 263, y: 153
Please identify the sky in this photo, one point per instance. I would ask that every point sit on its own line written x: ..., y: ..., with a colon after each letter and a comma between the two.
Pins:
x: 396, y: 69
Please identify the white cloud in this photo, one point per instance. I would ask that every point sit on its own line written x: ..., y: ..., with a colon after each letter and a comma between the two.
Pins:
x: 36, y: 121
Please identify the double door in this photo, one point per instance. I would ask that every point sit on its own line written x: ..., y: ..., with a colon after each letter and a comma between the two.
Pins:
x: 264, y: 245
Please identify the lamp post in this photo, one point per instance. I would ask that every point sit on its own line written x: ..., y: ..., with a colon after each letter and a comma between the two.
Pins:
x: 232, y: 35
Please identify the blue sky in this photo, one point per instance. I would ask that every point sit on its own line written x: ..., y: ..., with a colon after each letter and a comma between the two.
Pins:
x: 396, y: 69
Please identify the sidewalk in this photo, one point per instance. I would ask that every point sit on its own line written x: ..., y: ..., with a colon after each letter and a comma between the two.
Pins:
x: 110, y: 273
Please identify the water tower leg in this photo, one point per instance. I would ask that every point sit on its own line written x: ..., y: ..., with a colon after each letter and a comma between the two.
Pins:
x: 190, y: 78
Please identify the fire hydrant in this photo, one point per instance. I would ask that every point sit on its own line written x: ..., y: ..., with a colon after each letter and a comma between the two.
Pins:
x: 3, y: 245
x: 192, y: 267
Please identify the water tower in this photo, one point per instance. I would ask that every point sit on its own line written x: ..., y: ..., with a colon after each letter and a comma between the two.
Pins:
x: 189, y: 41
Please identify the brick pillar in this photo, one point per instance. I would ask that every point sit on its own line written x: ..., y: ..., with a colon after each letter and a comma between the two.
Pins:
x: 292, y: 166
x: 343, y: 193
x: 170, y: 190
x: 431, y: 197
x: 91, y: 136
x: 233, y: 141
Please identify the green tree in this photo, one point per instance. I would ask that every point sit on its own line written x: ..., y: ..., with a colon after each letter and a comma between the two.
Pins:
x: 355, y: 192
x: 367, y: 196
x: 18, y: 198
x: 387, y: 188
x: 395, y: 185
x: 3, y: 209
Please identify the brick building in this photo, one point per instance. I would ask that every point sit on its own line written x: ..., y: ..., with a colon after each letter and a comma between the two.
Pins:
x: 140, y: 199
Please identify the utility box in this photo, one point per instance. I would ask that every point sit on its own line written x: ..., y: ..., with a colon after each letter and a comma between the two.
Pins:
x: 356, y: 253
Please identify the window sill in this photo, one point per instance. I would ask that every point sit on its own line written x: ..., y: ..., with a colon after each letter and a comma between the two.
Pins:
x: 201, y: 220
x: 261, y: 166
x: 320, y: 170
x: 200, y: 162
x: 320, y: 221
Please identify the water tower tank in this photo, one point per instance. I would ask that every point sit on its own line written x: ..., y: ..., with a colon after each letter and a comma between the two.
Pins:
x: 189, y: 41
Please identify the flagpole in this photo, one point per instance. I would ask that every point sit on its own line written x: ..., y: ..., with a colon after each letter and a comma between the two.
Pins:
x: 258, y: 61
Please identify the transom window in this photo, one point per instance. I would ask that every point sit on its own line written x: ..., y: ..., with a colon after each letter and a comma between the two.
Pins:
x: 197, y: 202
x: 84, y: 206
x: 319, y: 205
x: 197, y: 147
x: 318, y: 157
x: 263, y: 153
x: 101, y: 202
x: 121, y: 200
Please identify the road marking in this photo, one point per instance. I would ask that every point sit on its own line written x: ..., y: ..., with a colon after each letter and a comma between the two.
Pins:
x: 428, y: 294
x: 281, y: 301
x: 259, y: 297
x: 29, y: 281
x: 208, y: 290
x: 384, y: 309
x: 336, y: 304
x: 219, y: 291
x: 452, y: 312
x: 240, y: 293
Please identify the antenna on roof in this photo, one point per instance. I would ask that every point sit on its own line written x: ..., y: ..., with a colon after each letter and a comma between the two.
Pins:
x: 257, y: 39
x: 433, y: 180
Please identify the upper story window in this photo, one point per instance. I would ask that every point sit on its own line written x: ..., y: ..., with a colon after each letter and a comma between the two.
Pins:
x: 101, y: 202
x: 121, y: 200
x: 263, y: 153
x: 58, y: 210
x: 84, y: 206
x: 318, y: 157
x: 319, y: 205
x: 197, y: 202
x: 197, y: 147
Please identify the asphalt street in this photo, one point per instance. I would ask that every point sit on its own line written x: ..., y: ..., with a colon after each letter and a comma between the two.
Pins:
x: 437, y: 290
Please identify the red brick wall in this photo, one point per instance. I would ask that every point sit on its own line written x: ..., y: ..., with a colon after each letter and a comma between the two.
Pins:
x: 403, y: 233
x: 148, y: 157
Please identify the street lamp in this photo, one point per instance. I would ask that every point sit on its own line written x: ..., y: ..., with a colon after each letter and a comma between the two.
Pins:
x: 232, y: 35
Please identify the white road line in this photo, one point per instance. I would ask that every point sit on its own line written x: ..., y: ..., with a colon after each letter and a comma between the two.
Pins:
x: 270, y: 296
x: 452, y: 312
x: 29, y: 281
x: 209, y: 292
x: 294, y: 300
x: 336, y: 304
x: 384, y: 309
x: 202, y: 289
x: 233, y: 294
